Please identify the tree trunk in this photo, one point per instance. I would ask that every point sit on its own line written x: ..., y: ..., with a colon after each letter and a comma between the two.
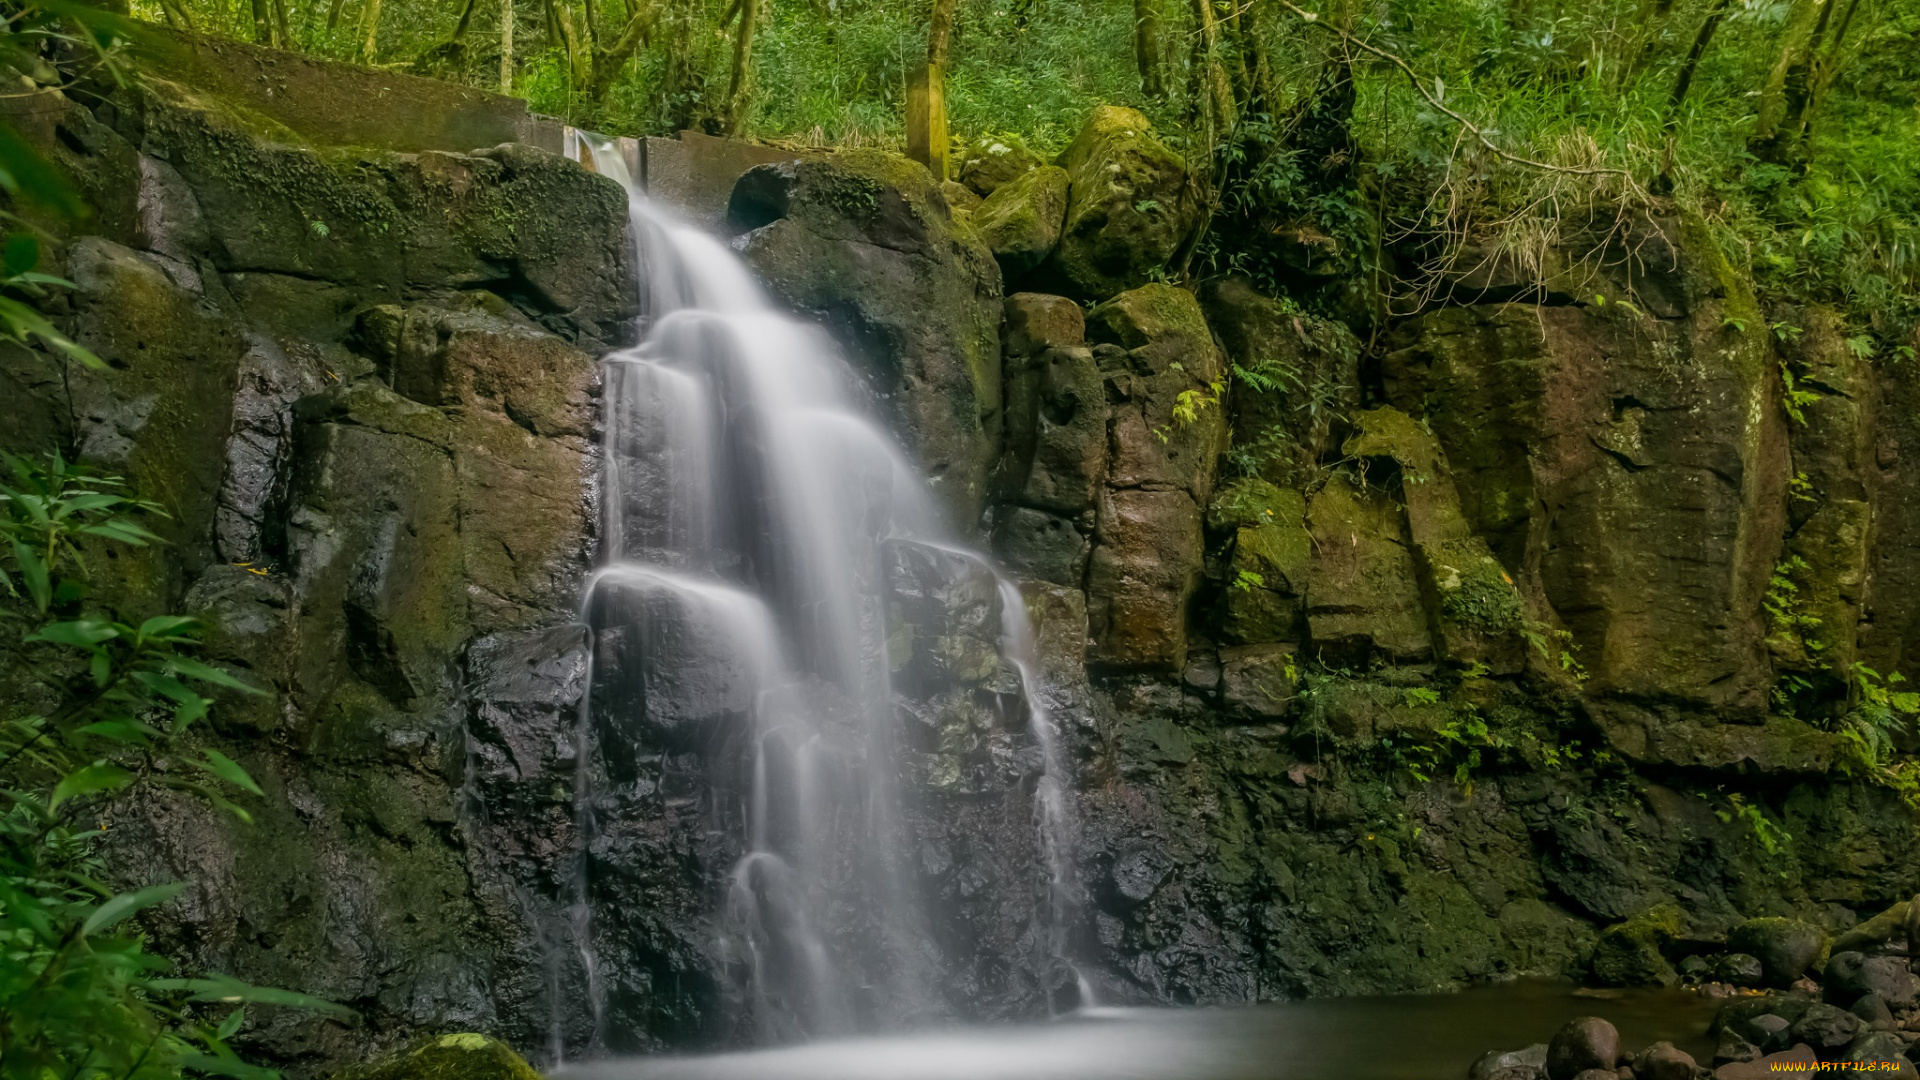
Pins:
x: 506, y: 46
x: 740, y: 80
x: 333, y: 13
x: 1146, y: 48
x: 1787, y: 84
x: 262, y: 23
x: 370, y: 31
x: 466, y: 19
x: 1218, y: 93
x: 608, y: 63
x: 940, y: 33
x: 280, y: 25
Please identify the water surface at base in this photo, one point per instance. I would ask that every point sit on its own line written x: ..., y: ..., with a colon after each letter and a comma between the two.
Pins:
x: 1423, y: 1037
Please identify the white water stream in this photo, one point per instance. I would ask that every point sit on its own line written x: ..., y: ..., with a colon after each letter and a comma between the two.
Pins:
x: 748, y: 501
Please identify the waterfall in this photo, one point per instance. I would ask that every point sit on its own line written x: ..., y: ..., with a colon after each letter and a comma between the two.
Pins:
x: 748, y: 504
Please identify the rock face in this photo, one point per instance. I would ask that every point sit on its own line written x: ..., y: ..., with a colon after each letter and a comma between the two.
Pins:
x: 1020, y: 221
x: 363, y: 388
x: 864, y: 242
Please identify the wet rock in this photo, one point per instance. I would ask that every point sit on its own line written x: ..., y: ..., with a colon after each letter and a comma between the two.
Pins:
x: 1020, y: 221
x: 1849, y: 975
x: 1130, y: 207
x: 1494, y: 1061
x: 1786, y: 948
x: 943, y: 618
x: 1826, y: 1028
x: 1585, y: 1043
x: 1740, y: 969
x: 1039, y: 546
x: 992, y: 160
x: 1664, y: 1061
x: 862, y: 241
x: 1056, y: 456
x: 449, y: 1057
x: 1166, y: 426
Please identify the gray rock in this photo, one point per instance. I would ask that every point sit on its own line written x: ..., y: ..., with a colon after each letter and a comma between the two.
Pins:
x: 1664, y: 1061
x: 1850, y: 975
x: 1826, y: 1028
x: 1872, y: 1010
x: 1786, y: 948
x: 1734, y: 1046
x: 1740, y: 969
x: 1586, y: 1043
x: 1493, y: 1061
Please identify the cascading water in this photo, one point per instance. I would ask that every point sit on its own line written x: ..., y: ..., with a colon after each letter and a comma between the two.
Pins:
x: 749, y: 505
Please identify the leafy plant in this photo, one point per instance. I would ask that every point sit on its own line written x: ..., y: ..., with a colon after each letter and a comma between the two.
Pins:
x: 80, y: 997
x: 1769, y: 835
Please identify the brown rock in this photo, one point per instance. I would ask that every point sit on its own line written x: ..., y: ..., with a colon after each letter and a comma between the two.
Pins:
x: 1585, y: 1043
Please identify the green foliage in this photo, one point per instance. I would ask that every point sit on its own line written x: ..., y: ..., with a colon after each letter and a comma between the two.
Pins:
x: 80, y: 997
x: 1786, y: 608
x: 1881, y: 710
x: 1772, y: 838
x: 1485, y: 600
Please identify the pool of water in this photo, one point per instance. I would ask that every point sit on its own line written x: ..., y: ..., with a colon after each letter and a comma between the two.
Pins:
x: 1418, y: 1037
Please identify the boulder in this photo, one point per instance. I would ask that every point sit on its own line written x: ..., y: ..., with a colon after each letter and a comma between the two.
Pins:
x: 1738, y: 1012
x: 961, y: 199
x: 1829, y: 1029
x: 1495, y: 1061
x: 1056, y: 409
x: 1769, y: 1032
x: 1873, y: 1012
x: 1585, y: 1043
x: 863, y: 242
x: 1786, y: 948
x: 1739, y: 969
x: 1850, y: 975
x: 1167, y: 427
x: 1874, y: 934
x: 1020, y: 221
x: 1630, y: 953
x: 992, y: 160
x: 1664, y: 1061
x: 1882, y: 1054
x: 448, y: 1057
x: 1130, y: 207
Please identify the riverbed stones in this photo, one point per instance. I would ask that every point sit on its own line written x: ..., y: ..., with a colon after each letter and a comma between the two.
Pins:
x: 1631, y: 953
x: 1130, y: 206
x: 1800, y: 1060
x: 1584, y: 1043
x: 1873, y: 935
x: 1826, y: 1028
x: 1532, y: 1059
x: 1664, y: 1061
x: 1850, y: 975
x: 1786, y: 948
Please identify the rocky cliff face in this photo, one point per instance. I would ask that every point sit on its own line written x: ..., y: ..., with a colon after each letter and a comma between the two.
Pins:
x: 1380, y: 670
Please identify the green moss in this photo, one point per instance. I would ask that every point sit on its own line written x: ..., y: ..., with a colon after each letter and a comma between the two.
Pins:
x: 449, y: 1057
x: 1478, y: 594
x: 1632, y: 953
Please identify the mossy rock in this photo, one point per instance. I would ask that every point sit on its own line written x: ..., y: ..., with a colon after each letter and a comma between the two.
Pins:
x: 1130, y: 207
x: 1786, y: 948
x: 449, y: 1057
x: 1021, y: 220
x: 1633, y: 953
x: 992, y: 161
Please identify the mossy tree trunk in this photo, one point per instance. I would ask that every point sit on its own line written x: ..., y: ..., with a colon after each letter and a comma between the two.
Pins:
x: 1146, y: 49
x: 506, y: 46
x: 740, y: 78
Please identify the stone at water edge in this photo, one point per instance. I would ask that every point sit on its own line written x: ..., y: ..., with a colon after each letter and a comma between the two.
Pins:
x: 1496, y: 1061
x: 1799, y: 1063
x: 1664, y: 1061
x: 1768, y: 1031
x: 1740, y: 969
x: 448, y: 1057
x: 1872, y: 1011
x: 1886, y: 1052
x: 1826, y: 1028
x: 1873, y: 935
x: 1585, y: 1043
x: 1786, y: 948
x: 1734, y: 1047
x: 1852, y: 975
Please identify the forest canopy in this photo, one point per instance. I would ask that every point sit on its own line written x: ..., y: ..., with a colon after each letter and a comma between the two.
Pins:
x: 1338, y: 141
